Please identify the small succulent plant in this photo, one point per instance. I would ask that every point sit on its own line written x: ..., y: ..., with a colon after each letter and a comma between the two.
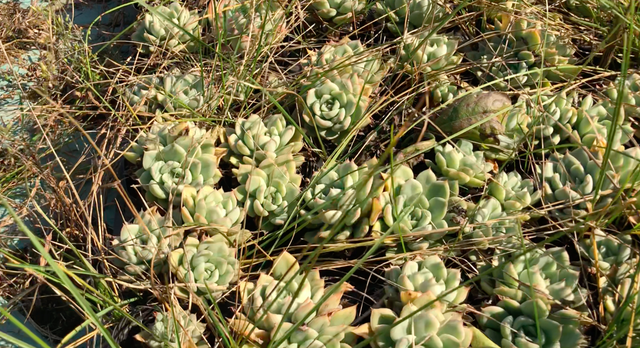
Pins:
x: 536, y: 274
x: 171, y: 93
x: 424, y: 275
x: 620, y: 299
x: 606, y: 250
x: 338, y: 12
x: 513, y: 192
x: 204, y: 268
x: 571, y: 179
x: 175, y: 329
x: 144, y: 245
x: 530, y: 325
x: 462, y: 164
x: 209, y: 206
x: 630, y: 94
x: 268, y: 188
x: 285, y: 295
x: 172, y: 27
x: 248, y: 25
x: 431, y: 326
x: 416, y: 205
x: 174, y: 155
x: 333, y: 107
x: 347, y: 57
x: 408, y: 15
x: 482, y: 112
x: 492, y: 225
x: 445, y: 90
x: 425, y: 53
x: 344, y: 192
x: 252, y: 138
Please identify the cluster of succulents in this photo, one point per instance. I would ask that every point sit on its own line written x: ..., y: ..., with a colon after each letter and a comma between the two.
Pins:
x: 491, y: 225
x: 513, y: 192
x: 461, y: 164
x: 336, y: 95
x: 338, y: 12
x: 407, y: 15
x: 171, y: 93
x: 175, y: 155
x: 173, y: 28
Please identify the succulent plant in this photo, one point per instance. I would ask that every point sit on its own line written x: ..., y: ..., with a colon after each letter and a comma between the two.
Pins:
x: 330, y: 330
x: 472, y: 109
x: 530, y: 325
x: 513, y: 192
x: 518, y: 72
x: 172, y: 27
x: 171, y: 93
x: 209, y: 206
x: 268, y: 188
x: 445, y: 90
x: 570, y: 179
x: 606, y: 250
x: 174, y: 155
x: 204, y: 268
x: 424, y: 275
x: 248, y: 25
x: 416, y: 205
x: 175, y: 329
x: 429, y: 327
x: 620, y: 299
x: 516, y: 123
x: 285, y: 295
x: 346, y: 57
x: 345, y: 191
x: 252, y: 138
x: 535, y: 274
x: 338, y: 12
x: 425, y: 53
x: 461, y: 164
x: 630, y: 94
x: 491, y: 225
x: 144, y: 245
x: 408, y: 15
x: 332, y: 108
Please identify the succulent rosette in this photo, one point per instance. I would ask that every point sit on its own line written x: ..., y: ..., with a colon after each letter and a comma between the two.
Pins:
x: 171, y: 93
x: 209, y: 206
x: 252, y: 138
x: 204, y: 268
x: 513, y: 192
x: 144, y: 245
x: 175, y: 155
x: 408, y: 15
x: 425, y: 53
x: 175, y: 329
x: 462, y: 164
x: 172, y: 27
x: 338, y: 12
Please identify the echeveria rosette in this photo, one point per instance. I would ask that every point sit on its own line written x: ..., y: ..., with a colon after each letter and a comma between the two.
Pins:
x: 248, y: 25
x: 172, y: 27
x: 338, y: 12
x: 424, y: 275
x: 171, y: 93
x: 163, y: 332
x: 253, y: 138
x: 513, y: 192
x: 620, y: 299
x: 204, y: 268
x: 214, y: 209
x: 530, y: 325
x: 416, y: 205
x: 408, y: 15
x: 630, y: 95
x: 174, y: 155
x: 460, y: 163
x: 553, y: 117
x: 446, y: 89
x: 425, y: 53
x: 347, y: 57
x: 267, y: 190
x: 430, y: 326
x: 144, y: 245
x: 537, y: 274
x: 345, y: 192
x: 606, y: 251
x: 569, y: 180
x: 285, y: 295
x: 332, y: 108
x: 492, y: 226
